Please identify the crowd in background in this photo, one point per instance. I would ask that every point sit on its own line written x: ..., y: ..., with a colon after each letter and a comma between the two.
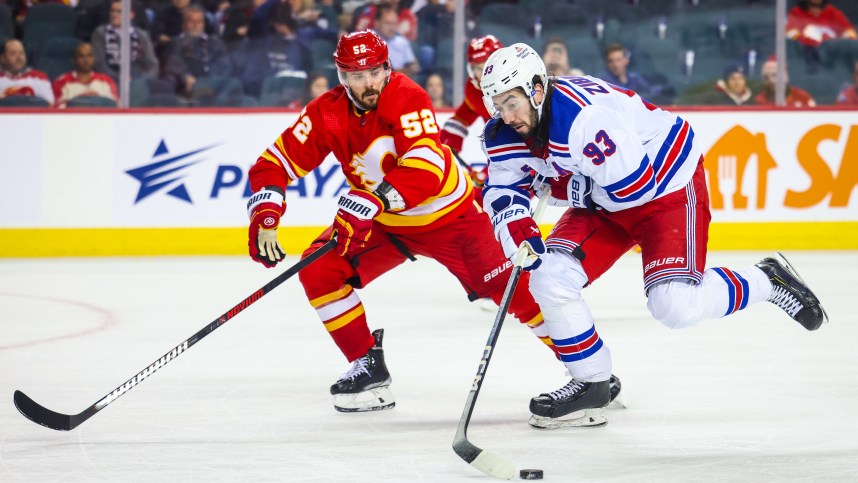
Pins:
x: 279, y: 52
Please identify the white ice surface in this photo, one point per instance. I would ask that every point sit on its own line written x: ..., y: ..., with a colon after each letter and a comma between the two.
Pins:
x: 753, y: 397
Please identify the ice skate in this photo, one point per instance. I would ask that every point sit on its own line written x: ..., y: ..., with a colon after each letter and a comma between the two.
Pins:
x: 615, y: 387
x: 366, y: 386
x: 577, y: 404
x: 791, y: 293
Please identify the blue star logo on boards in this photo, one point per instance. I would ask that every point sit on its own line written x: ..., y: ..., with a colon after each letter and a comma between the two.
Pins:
x: 165, y: 173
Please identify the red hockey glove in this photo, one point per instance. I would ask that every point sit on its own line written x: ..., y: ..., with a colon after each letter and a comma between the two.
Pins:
x: 353, y: 222
x: 453, y: 134
x: 479, y: 175
x: 514, y: 226
x: 265, y: 208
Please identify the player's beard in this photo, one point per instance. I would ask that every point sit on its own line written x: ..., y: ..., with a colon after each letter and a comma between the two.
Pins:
x: 367, y: 103
x: 534, y: 123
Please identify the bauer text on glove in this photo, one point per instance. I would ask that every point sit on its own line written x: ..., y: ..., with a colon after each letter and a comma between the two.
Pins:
x: 514, y: 225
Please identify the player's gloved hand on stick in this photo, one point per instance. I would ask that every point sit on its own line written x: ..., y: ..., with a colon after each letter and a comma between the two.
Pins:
x: 353, y: 222
x: 454, y: 139
x: 514, y: 225
x: 575, y: 191
x: 478, y: 175
x: 265, y: 208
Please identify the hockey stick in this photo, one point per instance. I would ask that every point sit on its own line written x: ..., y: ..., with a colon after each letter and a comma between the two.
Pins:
x: 488, y: 462
x: 65, y: 422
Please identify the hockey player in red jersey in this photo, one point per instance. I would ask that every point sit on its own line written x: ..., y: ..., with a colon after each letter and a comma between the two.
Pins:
x: 408, y: 197
x: 455, y: 130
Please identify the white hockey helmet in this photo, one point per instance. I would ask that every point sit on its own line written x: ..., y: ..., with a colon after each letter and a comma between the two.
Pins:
x: 510, y: 67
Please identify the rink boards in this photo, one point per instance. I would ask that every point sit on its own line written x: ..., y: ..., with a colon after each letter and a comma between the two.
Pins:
x: 161, y: 183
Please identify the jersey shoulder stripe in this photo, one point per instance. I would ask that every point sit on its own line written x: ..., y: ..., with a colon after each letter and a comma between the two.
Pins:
x: 633, y: 186
x: 505, y: 144
x: 673, y: 153
x: 566, y: 104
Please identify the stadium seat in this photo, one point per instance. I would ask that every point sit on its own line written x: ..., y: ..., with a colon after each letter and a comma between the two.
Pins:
x: 756, y: 26
x: 507, y: 34
x: 142, y: 90
x: 661, y: 56
x: 585, y: 53
x: 281, y: 90
x: 839, y: 53
x: 7, y: 25
x: 55, y: 56
x: 163, y: 100
x: 23, y: 101
x: 444, y: 55
x: 323, y: 53
x: 217, y: 91
x: 506, y: 14
x: 90, y: 101
x: 47, y: 20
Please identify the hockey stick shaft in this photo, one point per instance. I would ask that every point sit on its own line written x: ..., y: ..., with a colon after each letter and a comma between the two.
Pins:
x: 488, y: 462
x: 63, y: 422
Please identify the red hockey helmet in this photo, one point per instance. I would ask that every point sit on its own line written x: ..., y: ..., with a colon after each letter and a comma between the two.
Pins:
x: 481, y: 48
x: 359, y: 51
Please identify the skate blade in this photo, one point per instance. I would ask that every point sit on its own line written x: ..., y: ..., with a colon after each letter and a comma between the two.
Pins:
x: 795, y: 272
x: 617, y: 403
x: 580, y: 419
x: 376, y: 399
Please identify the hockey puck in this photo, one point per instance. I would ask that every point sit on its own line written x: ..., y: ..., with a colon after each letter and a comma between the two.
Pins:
x: 530, y: 474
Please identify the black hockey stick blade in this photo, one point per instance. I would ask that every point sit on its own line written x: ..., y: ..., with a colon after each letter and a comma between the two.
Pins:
x: 39, y: 414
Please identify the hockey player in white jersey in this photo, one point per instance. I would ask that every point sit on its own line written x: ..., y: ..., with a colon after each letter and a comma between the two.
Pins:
x: 631, y: 173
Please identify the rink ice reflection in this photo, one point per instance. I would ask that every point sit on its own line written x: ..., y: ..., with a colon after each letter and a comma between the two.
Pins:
x: 750, y: 398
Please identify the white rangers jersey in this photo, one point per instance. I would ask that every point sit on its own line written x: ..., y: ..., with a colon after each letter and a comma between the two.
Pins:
x: 631, y: 150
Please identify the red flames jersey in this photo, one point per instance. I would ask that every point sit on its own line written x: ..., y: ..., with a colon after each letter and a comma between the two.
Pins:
x: 397, y: 142
x: 473, y: 106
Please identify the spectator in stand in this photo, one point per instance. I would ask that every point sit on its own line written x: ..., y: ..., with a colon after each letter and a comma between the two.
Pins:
x: 169, y: 24
x: 617, y: 71
x: 555, y: 54
x: 434, y: 86
x: 83, y: 80
x: 16, y: 79
x: 812, y: 22
x: 314, y: 21
x: 795, y: 97
x: 365, y: 17
x: 402, y: 58
x: 316, y: 85
x: 732, y: 89
x: 278, y: 52
x: 194, y: 54
x: 849, y: 95
x: 105, y: 47
x: 437, y: 21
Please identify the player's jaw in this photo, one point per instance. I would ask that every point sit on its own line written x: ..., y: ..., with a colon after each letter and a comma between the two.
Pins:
x: 516, y: 112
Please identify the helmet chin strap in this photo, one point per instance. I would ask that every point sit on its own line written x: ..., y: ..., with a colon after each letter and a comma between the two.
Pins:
x: 539, y: 107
